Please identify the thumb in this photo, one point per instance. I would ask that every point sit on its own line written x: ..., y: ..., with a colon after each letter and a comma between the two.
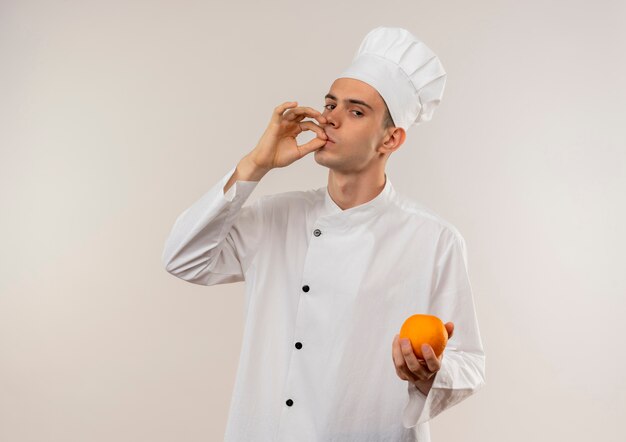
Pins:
x: 450, y: 329
x: 311, y: 146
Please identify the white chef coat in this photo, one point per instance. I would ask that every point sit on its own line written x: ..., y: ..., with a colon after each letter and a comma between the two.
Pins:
x: 326, y: 291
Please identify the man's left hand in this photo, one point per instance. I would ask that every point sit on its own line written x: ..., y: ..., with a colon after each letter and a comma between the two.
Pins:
x: 419, y: 371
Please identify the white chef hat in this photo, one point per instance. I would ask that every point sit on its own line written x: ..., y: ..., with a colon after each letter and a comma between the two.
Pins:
x: 404, y: 71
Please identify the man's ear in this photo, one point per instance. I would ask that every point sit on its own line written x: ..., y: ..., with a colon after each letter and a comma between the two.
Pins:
x: 393, y: 140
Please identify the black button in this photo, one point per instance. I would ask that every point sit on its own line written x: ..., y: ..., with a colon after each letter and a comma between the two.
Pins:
x: 289, y: 402
x: 298, y: 345
x: 317, y: 232
x: 305, y: 288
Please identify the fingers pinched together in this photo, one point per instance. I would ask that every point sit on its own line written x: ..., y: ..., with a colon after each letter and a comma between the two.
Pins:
x: 290, y: 115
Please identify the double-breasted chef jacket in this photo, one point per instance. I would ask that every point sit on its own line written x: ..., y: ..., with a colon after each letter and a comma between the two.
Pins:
x: 326, y: 291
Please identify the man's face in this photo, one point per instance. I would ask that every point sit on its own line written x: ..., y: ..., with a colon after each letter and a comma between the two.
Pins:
x: 356, y: 128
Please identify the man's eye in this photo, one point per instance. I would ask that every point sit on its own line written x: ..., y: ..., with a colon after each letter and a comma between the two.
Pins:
x: 358, y: 112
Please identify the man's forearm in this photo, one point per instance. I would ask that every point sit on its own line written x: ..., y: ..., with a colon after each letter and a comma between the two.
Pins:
x: 245, y: 171
x: 425, y: 386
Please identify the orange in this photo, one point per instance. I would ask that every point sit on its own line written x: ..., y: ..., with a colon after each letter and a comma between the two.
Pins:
x: 425, y: 329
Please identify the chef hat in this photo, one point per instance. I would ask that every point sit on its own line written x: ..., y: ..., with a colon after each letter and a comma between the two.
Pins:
x: 404, y: 71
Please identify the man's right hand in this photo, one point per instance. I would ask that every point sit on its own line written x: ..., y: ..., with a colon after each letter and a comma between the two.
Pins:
x: 277, y: 146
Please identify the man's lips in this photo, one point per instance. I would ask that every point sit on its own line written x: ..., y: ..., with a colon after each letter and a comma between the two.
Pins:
x: 332, y: 140
x: 328, y: 143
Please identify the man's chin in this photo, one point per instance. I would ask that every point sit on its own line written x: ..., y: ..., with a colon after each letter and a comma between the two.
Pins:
x: 319, y: 155
x: 323, y: 159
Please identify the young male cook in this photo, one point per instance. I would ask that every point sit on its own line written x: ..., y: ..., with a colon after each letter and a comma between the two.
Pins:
x: 332, y: 273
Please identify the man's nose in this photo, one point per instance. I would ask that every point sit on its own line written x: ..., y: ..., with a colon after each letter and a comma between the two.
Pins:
x: 330, y: 119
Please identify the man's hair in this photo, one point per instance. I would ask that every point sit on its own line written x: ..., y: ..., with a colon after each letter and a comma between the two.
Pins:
x: 387, y: 120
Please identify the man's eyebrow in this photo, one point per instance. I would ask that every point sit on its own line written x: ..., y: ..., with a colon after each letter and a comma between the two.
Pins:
x: 350, y: 100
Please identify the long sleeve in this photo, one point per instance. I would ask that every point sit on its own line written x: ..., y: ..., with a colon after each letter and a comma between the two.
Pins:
x: 215, y: 240
x: 462, y: 370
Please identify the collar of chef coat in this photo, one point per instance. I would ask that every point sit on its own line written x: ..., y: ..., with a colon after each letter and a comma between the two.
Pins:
x: 337, y: 217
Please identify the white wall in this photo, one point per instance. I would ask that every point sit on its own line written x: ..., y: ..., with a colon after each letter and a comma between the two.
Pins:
x: 116, y: 116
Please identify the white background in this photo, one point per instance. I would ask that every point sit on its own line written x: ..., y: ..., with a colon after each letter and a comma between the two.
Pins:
x: 116, y: 116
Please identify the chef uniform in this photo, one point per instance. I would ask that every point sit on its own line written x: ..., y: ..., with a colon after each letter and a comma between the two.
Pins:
x: 326, y: 292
